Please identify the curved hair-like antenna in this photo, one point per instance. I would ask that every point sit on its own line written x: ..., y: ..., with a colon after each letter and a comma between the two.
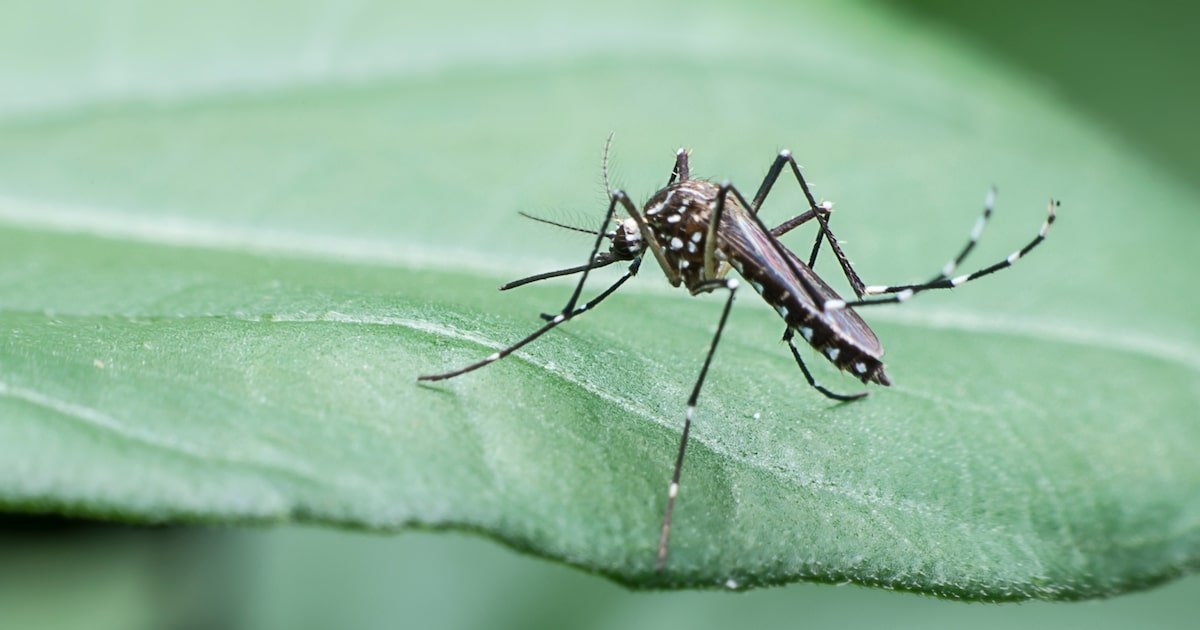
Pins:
x: 604, y: 163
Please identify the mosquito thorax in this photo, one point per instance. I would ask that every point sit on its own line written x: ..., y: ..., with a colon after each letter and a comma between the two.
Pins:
x: 677, y: 217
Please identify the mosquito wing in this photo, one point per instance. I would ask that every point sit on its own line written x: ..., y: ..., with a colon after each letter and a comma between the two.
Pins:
x: 755, y: 257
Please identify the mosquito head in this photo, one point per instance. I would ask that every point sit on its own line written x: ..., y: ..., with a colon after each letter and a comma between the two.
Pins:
x: 627, y: 242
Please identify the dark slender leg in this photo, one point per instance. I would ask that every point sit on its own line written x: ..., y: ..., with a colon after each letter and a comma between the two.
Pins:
x: 614, y: 197
x: 794, y: 222
x: 673, y: 490
x: 553, y: 321
x: 906, y: 291
x: 787, y: 336
x: 710, y: 237
x: 567, y: 313
x: 629, y: 273
x: 784, y: 159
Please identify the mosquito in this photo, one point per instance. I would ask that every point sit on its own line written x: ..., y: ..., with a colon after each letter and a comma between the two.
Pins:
x: 698, y: 231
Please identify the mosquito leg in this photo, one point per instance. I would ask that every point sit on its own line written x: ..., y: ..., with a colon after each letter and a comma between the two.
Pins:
x: 793, y: 223
x: 764, y: 189
x: 551, y: 323
x: 988, y: 203
x: 820, y: 212
x: 567, y: 312
x: 673, y: 490
x: 613, y: 198
x: 903, y: 292
x: 787, y: 336
x: 629, y: 273
x: 710, y: 236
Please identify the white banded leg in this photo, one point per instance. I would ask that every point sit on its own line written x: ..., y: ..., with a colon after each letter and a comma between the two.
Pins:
x: 730, y: 285
x: 948, y: 269
x: 900, y: 293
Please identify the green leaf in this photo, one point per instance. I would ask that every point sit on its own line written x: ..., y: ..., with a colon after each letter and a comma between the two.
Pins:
x: 230, y: 241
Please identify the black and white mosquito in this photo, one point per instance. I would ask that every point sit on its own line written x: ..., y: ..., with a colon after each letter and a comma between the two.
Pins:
x: 698, y: 231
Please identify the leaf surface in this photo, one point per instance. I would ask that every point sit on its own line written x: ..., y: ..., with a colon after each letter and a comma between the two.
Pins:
x: 230, y: 241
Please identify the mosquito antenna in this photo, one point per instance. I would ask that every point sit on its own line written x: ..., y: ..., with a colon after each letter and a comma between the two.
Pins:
x: 604, y: 163
x: 603, y: 259
x: 557, y: 224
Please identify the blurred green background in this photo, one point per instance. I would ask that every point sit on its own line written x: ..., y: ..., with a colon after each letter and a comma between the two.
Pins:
x: 76, y: 576
x: 1122, y: 65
